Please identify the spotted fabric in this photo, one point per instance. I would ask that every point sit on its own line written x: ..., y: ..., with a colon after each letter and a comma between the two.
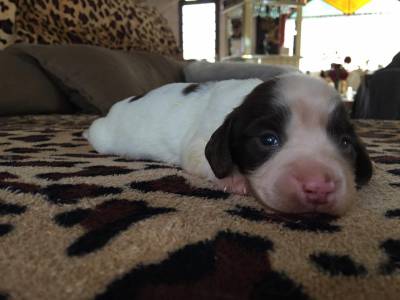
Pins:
x: 114, y: 24
x: 7, y: 21
x: 75, y: 224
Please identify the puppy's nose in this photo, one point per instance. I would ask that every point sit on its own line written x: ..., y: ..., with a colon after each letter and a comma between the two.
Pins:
x: 317, y: 188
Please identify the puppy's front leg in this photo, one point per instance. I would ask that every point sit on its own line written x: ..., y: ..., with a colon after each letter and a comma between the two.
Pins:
x: 235, y: 183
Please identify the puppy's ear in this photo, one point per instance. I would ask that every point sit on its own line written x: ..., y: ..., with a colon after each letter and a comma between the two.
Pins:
x: 218, y: 151
x: 363, y: 164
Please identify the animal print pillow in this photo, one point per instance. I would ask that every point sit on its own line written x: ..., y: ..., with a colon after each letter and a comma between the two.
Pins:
x: 7, y: 20
x: 115, y: 24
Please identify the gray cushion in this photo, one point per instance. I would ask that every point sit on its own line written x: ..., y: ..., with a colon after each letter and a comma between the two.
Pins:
x: 95, y: 78
x: 203, y: 71
x: 25, y: 89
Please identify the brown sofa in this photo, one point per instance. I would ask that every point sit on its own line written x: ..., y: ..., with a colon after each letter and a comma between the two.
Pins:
x: 44, y: 79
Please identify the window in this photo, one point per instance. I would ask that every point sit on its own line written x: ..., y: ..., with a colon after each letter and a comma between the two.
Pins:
x: 199, y: 29
x: 369, y: 37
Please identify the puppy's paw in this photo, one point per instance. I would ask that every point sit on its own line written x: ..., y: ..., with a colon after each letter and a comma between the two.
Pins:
x: 236, y: 184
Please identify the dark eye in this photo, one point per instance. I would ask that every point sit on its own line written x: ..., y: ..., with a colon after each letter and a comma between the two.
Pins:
x: 345, y: 142
x: 270, y: 140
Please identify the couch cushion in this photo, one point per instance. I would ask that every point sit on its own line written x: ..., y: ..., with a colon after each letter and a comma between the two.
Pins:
x: 200, y: 71
x: 25, y: 89
x: 114, y: 24
x: 95, y: 78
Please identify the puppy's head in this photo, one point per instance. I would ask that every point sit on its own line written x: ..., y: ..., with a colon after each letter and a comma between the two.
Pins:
x: 293, y: 140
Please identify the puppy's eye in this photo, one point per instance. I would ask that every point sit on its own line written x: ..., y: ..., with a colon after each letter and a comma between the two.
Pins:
x: 346, y: 142
x: 270, y: 140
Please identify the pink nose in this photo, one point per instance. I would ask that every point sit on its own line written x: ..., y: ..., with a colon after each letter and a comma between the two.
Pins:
x: 317, y: 188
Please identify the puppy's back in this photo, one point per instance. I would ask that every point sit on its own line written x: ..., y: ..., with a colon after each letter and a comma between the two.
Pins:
x: 156, y: 125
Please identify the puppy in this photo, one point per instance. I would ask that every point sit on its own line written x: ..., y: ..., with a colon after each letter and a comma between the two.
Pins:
x: 287, y: 141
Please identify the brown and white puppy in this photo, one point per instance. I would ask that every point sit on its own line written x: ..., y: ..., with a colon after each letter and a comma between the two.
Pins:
x: 293, y: 141
x: 288, y: 141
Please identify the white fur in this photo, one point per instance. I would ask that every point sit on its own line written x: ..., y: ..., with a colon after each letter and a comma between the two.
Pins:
x: 166, y: 125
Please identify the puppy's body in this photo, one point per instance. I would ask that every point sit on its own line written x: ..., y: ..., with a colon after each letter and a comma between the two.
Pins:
x: 288, y: 140
x: 170, y: 123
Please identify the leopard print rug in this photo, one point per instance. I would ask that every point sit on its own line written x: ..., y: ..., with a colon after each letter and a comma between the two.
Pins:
x: 78, y: 225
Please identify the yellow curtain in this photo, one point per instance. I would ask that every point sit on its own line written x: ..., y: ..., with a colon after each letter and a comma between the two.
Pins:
x: 347, y: 6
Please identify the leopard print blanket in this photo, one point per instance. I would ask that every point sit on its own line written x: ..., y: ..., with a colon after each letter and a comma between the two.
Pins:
x: 114, y: 24
x: 75, y: 224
